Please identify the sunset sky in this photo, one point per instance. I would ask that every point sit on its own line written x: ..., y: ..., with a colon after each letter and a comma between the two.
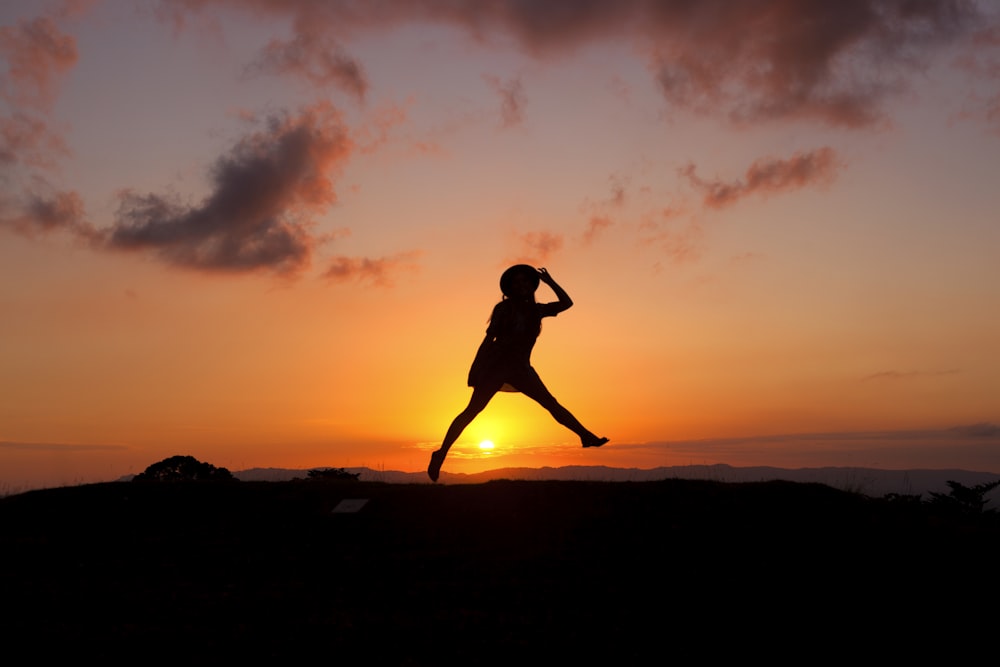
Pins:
x: 269, y: 232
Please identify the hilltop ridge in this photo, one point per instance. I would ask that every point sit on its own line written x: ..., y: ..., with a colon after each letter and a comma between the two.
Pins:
x: 868, y: 481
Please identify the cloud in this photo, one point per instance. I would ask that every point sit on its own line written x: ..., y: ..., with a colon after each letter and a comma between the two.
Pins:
x: 774, y: 60
x: 257, y: 216
x: 537, y: 247
x: 981, y: 60
x: 27, y: 140
x: 57, y: 447
x: 37, y: 53
x: 32, y: 214
x: 981, y: 430
x: 512, y: 100
x: 34, y: 56
x: 759, y: 60
x: 600, y: 212
x: 316, y: 58
x: 379, y: 272
x: 680, y: 242
x: 768, y: 176
x: 909, y: 375
x: 596, y: 227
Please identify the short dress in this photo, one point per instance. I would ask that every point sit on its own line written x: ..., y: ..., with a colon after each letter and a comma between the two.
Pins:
x: 504, y: 358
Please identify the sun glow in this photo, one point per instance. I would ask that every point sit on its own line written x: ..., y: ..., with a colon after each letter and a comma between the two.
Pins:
x: 486, y: 445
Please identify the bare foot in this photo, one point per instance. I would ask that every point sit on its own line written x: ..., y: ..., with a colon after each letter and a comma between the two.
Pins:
x: 596, y: 442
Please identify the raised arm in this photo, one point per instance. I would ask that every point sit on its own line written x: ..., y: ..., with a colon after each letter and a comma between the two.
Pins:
x: 564, y: 300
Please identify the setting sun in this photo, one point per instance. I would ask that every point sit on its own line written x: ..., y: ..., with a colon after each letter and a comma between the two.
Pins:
x: 486, y: 445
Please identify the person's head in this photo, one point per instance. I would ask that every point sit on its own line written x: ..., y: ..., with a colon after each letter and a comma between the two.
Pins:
x: 519, y: 282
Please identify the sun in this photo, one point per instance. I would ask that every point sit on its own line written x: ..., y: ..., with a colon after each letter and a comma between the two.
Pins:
x: 486, y: 445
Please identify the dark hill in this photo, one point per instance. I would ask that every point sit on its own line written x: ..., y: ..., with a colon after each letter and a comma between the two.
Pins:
x: 486, y: 573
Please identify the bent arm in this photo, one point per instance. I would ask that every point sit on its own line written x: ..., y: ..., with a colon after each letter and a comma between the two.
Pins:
x: 564, y: 301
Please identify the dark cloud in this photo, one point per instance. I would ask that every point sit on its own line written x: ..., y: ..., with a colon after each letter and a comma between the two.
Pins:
x: 982, y: 430
x: 257, y: 216
x: 379, y: 272
x: 835, y: 62
x: 33, y: 214
x: 768, y: 175
x: 775, y: 60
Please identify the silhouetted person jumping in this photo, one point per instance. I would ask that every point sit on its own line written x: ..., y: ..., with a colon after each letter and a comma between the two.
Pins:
x: 503, y: 362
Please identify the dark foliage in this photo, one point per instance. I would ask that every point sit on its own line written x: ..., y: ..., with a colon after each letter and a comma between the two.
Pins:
x: 338, y: 474
x: 506, y: 573
x: 183, y: 469
x: 963, y: 499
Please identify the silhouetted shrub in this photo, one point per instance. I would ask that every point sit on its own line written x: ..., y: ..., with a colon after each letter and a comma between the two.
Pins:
x: 339, y: 474
x: 963, y: 499
x: 183, y: 468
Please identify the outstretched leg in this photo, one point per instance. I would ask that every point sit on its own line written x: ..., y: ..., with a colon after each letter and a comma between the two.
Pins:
x: 533, y: 388
x: 481, y: 396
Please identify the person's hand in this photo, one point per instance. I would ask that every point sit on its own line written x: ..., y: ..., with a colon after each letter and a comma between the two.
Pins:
x: 543, y: 274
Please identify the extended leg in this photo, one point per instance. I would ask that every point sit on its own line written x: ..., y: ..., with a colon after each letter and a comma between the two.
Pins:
x: 481, y: 396
x: 533, y: 388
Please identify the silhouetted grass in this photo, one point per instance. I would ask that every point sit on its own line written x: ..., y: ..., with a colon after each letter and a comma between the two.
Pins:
x: 477, y: 574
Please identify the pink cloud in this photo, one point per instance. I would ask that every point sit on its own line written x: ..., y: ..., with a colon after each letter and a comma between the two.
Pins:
x: 37, y: 53
x: 512, y: 99
x: 379, y: 271
x: 316, y: 58
x: 537, y: 247
x: 768, y: 176
x: 596, y: 227
x: 679, y: 240
x: 27, y: 140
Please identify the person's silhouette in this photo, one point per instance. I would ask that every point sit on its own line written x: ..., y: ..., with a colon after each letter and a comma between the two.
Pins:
x: 503, y: 361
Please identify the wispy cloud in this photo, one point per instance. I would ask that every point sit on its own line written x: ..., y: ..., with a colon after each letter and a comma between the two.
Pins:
x: 380, y: 272
x: 537, y: 247
x: 597, y: 225
x: 37, y: 53
x: 909, y: 375
x: 678, y: 236
x: 512, y: 99
x: 768, y: 176
x: 56, y: 447
x: 27, y: 140
x: 35, y: 56
x: 981, y: 59
x: 317, y: 59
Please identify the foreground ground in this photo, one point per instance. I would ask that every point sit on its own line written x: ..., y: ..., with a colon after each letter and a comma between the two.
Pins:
x: 488, y: 573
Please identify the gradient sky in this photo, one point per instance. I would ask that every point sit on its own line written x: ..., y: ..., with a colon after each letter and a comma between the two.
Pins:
x: 269, y: 233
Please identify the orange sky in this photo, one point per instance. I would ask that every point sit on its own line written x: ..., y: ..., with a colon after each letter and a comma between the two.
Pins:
x: 270, y: 234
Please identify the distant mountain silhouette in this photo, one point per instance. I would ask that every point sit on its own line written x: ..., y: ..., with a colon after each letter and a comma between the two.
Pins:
x: 868, y: 481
